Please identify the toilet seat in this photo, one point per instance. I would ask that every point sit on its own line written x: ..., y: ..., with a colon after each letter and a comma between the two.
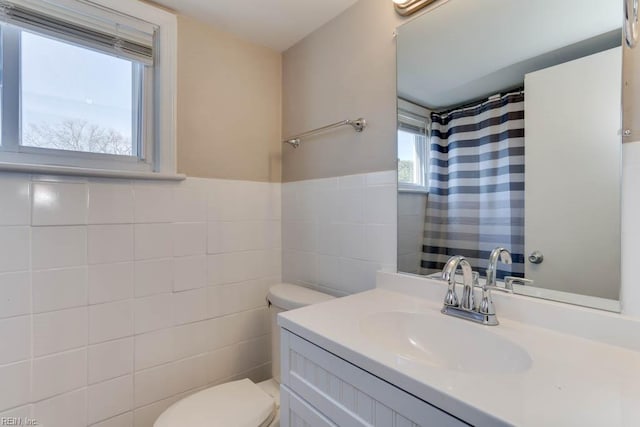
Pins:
x: 239, y: 403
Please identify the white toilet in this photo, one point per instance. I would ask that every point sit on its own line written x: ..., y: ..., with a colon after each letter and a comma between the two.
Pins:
x: 243, y: 403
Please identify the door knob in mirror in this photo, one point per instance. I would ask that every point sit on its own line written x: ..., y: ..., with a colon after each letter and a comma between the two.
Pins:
x: 536, y: 257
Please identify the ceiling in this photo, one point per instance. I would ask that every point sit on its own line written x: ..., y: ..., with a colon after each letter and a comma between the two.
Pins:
x: 492, y: 44
x: 277, y: 24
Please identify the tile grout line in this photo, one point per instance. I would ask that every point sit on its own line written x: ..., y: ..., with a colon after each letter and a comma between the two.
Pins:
x: 86, y: 350
x: 31, y: 320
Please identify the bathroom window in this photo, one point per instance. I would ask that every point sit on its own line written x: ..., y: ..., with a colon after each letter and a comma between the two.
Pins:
x: 413, y: 159
x: 79, y: 84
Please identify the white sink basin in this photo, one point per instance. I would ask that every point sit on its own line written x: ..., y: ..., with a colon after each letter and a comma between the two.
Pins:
x: 445, y: 342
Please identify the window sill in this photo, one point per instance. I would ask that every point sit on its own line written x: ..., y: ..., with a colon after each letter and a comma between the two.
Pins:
x: 87, y: 172
x: 412, y: 190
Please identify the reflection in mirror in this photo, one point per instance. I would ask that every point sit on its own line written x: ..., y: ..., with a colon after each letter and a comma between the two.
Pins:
x: 509, y: 135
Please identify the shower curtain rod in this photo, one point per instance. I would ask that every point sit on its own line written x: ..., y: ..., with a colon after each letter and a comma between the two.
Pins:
x: 358, y: 125
x: 475, y: 103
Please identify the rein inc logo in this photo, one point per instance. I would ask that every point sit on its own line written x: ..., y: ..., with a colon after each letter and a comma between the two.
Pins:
x: 19, y: 421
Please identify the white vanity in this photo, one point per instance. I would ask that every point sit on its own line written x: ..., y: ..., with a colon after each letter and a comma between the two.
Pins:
x: 321, y: 389
x: 388, y: 357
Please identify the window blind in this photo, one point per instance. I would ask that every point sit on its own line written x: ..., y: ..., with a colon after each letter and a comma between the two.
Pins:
x: 412, y: 123
x: 84, y: 23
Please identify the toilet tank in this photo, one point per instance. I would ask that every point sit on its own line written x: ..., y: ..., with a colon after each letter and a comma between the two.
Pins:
x: 284, y: 297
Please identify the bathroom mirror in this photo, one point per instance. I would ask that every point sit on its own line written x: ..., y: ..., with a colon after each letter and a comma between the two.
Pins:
x: 509, y: 134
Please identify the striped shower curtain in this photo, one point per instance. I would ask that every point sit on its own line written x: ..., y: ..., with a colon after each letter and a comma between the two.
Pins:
x: 476, y: 185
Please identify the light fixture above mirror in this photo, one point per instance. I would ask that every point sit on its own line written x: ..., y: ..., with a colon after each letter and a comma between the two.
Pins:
x: 408, y: 7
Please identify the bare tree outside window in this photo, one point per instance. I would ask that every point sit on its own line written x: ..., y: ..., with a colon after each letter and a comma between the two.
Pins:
x: 405, y: 171
x: 77, y: 135
x: 75, y: 99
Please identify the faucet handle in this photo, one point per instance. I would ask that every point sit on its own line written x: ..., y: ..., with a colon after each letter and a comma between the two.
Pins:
x: 510, y: 280
x: 486, y: 303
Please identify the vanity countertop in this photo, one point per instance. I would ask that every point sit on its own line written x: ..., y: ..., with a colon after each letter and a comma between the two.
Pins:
x: 572, y: 381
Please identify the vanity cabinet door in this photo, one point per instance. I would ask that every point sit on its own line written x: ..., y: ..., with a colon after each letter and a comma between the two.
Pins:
x: 295, y: 412
x: 348, y: 395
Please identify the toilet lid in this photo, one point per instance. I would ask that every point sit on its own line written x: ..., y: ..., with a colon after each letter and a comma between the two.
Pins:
x: 289, y: 297
x: 238, y: 404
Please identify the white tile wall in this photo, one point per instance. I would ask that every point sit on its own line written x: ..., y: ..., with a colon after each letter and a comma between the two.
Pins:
x: 59, y: 330
x: 58, y: 203
x: 57, y: 247
x: 110, y: 203
x: 337, y: 232
x: 58, y: 373
x: 59, y: 289
x: 15, y: 330
x: 124, y: 420
x: 16, y: 380
x: 110, y: 321
x: 153, y: 241
x: 108, y: 398
x: 15, y: 208
x: 110, y: 359
x: 14, y: 249
x: 189, y: 272
x: 154, y: 277
x: 110, y: 282
x: 154, y: 312
x: 15, y: 294
x: 153, y: 203
x: 116, y: 300
x: 119, y: 297
x: 110, y: 243
x: 189, y: 238
x: 411, y: 212
x: 69, y: 410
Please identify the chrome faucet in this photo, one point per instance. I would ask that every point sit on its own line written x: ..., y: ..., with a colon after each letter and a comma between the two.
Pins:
x: 465, y: 308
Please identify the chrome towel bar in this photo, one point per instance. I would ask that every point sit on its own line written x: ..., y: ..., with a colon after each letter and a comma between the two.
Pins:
x: 357, y: 124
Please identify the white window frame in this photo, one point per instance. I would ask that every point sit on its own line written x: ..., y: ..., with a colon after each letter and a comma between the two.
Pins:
x: 415, y: 114
x: 421, y: 163
x: 158, y: 152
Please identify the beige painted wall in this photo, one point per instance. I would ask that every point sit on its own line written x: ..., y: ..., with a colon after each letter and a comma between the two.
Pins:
x: 229, y: 105
x: 346, y: 69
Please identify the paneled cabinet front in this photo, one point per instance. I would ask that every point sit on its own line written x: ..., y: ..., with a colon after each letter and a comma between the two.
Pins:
x: 323, y: 390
